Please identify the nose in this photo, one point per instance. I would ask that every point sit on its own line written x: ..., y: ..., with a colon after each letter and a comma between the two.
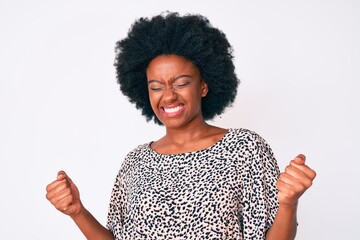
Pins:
x: 169, y: 95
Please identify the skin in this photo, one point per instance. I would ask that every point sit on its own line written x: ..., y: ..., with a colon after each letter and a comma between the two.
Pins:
x: 175, y: 92
x: 65, y: 196
x: 292, y: 183
x: 175, y: 82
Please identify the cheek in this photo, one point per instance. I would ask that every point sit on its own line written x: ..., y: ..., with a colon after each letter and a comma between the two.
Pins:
x: 153, y: 98
x: 196, y: 95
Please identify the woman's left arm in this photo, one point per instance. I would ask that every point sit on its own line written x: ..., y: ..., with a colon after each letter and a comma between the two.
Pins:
x: 292, y: 183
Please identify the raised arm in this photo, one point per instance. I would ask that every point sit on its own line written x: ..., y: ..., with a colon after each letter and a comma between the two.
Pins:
x: 292, y: 183
x: 64, y: 195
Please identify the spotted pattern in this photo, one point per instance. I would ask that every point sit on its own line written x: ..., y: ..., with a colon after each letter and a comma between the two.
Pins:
x: 226, y: 191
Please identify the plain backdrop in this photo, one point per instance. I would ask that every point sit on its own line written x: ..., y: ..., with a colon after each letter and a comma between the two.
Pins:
x: 61, y: 108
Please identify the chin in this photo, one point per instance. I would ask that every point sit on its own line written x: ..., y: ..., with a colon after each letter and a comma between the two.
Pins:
x: 173, y: 123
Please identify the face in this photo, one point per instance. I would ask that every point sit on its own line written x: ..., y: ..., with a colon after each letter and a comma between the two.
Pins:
x: 175, y: 90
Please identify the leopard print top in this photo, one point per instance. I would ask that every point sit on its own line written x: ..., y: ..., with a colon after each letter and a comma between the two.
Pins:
x: 226, y: 191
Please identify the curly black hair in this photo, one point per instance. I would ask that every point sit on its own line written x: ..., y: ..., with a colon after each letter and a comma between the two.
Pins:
x: 189, y: 36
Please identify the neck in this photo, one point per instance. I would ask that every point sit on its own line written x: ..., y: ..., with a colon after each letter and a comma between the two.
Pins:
x: 187, y: 133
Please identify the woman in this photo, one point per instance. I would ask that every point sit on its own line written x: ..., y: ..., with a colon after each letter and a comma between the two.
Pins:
x: 198, y: 181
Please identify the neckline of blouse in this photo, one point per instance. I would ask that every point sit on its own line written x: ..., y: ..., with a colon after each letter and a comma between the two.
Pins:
x: 207, y: 149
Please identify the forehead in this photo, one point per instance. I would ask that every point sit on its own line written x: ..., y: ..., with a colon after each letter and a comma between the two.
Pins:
x: 169, y: 66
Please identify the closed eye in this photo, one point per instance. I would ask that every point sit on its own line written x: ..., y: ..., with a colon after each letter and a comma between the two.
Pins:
x: 156, y: 88
x: 181, y: 84
x: 155, y: 85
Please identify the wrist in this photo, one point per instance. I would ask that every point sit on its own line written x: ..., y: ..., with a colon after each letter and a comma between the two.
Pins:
x: 288, y: 211
x: 288, y: 205
x: 79, y: 213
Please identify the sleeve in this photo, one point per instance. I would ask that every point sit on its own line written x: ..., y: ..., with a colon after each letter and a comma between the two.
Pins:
x: 118, y: 208
x: 260, y: 193
x: 115, y: 218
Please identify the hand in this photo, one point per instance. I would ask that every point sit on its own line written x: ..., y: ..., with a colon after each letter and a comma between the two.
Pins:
x: 64, y: 195
x: 296, y: 179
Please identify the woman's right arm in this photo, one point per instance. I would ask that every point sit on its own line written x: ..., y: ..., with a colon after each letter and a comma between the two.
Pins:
x: 64, y: 195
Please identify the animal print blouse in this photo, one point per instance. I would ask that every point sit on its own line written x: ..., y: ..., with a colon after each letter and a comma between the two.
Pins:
x: 226, y: 191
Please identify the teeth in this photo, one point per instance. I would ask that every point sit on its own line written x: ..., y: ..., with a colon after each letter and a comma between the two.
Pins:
x: 172, y: 110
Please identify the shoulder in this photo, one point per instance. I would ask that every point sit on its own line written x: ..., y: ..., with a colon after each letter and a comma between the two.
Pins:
x: 138, y: 153
x: 259, y: 158
x: 249, y: 142
x: 245, y: 135
x: 130, y: 161
x: 139, y: 150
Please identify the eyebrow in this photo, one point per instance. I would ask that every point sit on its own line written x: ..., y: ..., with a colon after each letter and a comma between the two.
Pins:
x: 176, y: 78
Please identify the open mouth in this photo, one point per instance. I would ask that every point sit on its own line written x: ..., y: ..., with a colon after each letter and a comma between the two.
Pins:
x: 172, y: 111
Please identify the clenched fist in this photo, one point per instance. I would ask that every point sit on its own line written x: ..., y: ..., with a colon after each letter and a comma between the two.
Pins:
x: 294, y: 181
x: 64, y: 195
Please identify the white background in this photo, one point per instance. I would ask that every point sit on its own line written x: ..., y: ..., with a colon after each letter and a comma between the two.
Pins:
x: 60, y: 107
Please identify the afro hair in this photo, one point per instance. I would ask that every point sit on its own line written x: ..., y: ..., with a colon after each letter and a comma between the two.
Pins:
x: 189, y: 36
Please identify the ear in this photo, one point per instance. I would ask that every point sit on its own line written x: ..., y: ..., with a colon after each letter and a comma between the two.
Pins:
x: 204, y: 88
